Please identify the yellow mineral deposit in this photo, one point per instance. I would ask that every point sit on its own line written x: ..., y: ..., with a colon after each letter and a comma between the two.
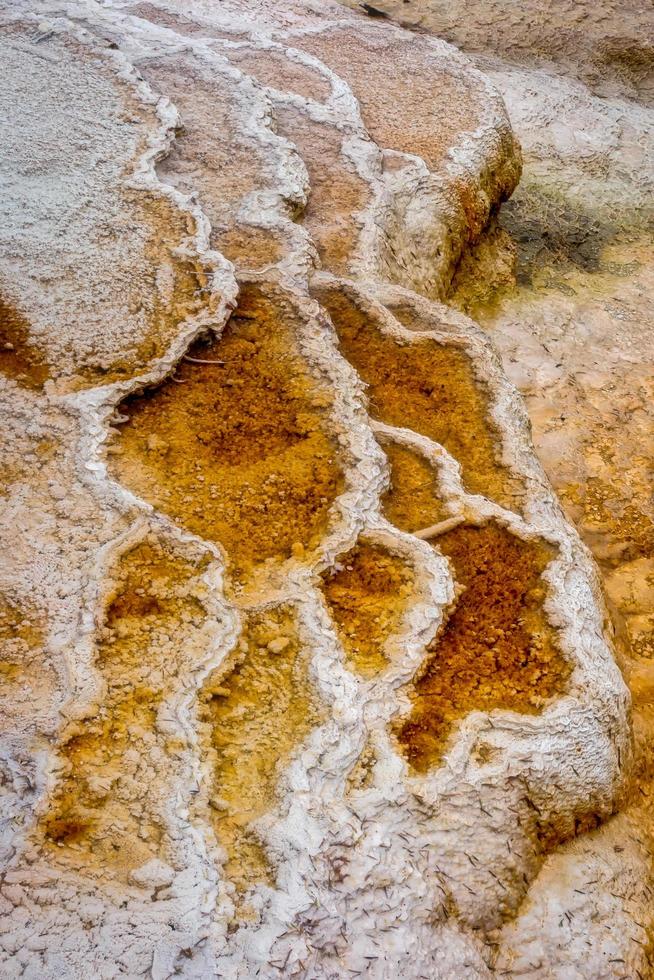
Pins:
x: 412, y: 501
x: 360, y: 776
x: 257, y: 709
x: 367, y: 597
x: 104, y: 803
x: 21, y: 635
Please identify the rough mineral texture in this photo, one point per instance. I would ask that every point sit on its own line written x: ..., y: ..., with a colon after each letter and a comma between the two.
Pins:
x: 304, y: 671
x: 562, y: 282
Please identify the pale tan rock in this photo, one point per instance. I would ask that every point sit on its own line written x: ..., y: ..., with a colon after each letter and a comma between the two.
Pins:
x: 204, y: 784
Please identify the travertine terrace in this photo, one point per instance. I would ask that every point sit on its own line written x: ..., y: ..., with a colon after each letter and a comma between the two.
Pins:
x: 303, y: 671
x: 562, y: 282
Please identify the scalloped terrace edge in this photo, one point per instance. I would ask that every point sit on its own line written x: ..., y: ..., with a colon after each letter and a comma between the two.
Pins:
x: 579, y: 606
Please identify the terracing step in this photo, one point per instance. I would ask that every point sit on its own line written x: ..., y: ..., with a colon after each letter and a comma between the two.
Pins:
x: 330, y: 670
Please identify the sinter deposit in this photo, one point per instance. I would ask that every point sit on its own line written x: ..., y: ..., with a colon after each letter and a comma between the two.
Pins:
x: 304, y: 670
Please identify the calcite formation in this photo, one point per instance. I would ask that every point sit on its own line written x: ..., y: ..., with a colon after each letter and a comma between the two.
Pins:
x: 304, y: 671
x: 562, y: 281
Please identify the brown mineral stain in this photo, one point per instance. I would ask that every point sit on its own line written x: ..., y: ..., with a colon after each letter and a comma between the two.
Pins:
x: 148, y: 11
x: 105, y: 801
x: 427, y: 386
x: 258, y: 709
x: 412, y: 501
x: 237, y: 451
x: 367, y: 596
x: 180, y: 24
x: 496, y: 649
x: 402, y: 87
x: 19, y: 358
x: 213, y: 156
x: 276, y: 69
x: 251, y: 248
x: 336, y: 194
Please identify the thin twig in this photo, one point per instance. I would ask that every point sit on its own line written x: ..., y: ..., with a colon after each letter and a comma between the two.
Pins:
x: 435, y: 529
x: 200, y: 360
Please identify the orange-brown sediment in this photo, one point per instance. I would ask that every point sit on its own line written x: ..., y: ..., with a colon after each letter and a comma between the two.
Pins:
x: 276, y: 69
x: 251, y: 248
x: 237, y: 452
x: 426, y: 386
x: 496, y: 650
x: 19, y: 358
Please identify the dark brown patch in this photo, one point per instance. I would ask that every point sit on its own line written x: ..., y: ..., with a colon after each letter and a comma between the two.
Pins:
x: 19, y: 358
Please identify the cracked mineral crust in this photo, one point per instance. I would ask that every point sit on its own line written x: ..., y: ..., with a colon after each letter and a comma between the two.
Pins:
x: 305, y: 669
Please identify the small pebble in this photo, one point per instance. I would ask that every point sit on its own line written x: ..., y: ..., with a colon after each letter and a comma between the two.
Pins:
x: 278, y: 645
